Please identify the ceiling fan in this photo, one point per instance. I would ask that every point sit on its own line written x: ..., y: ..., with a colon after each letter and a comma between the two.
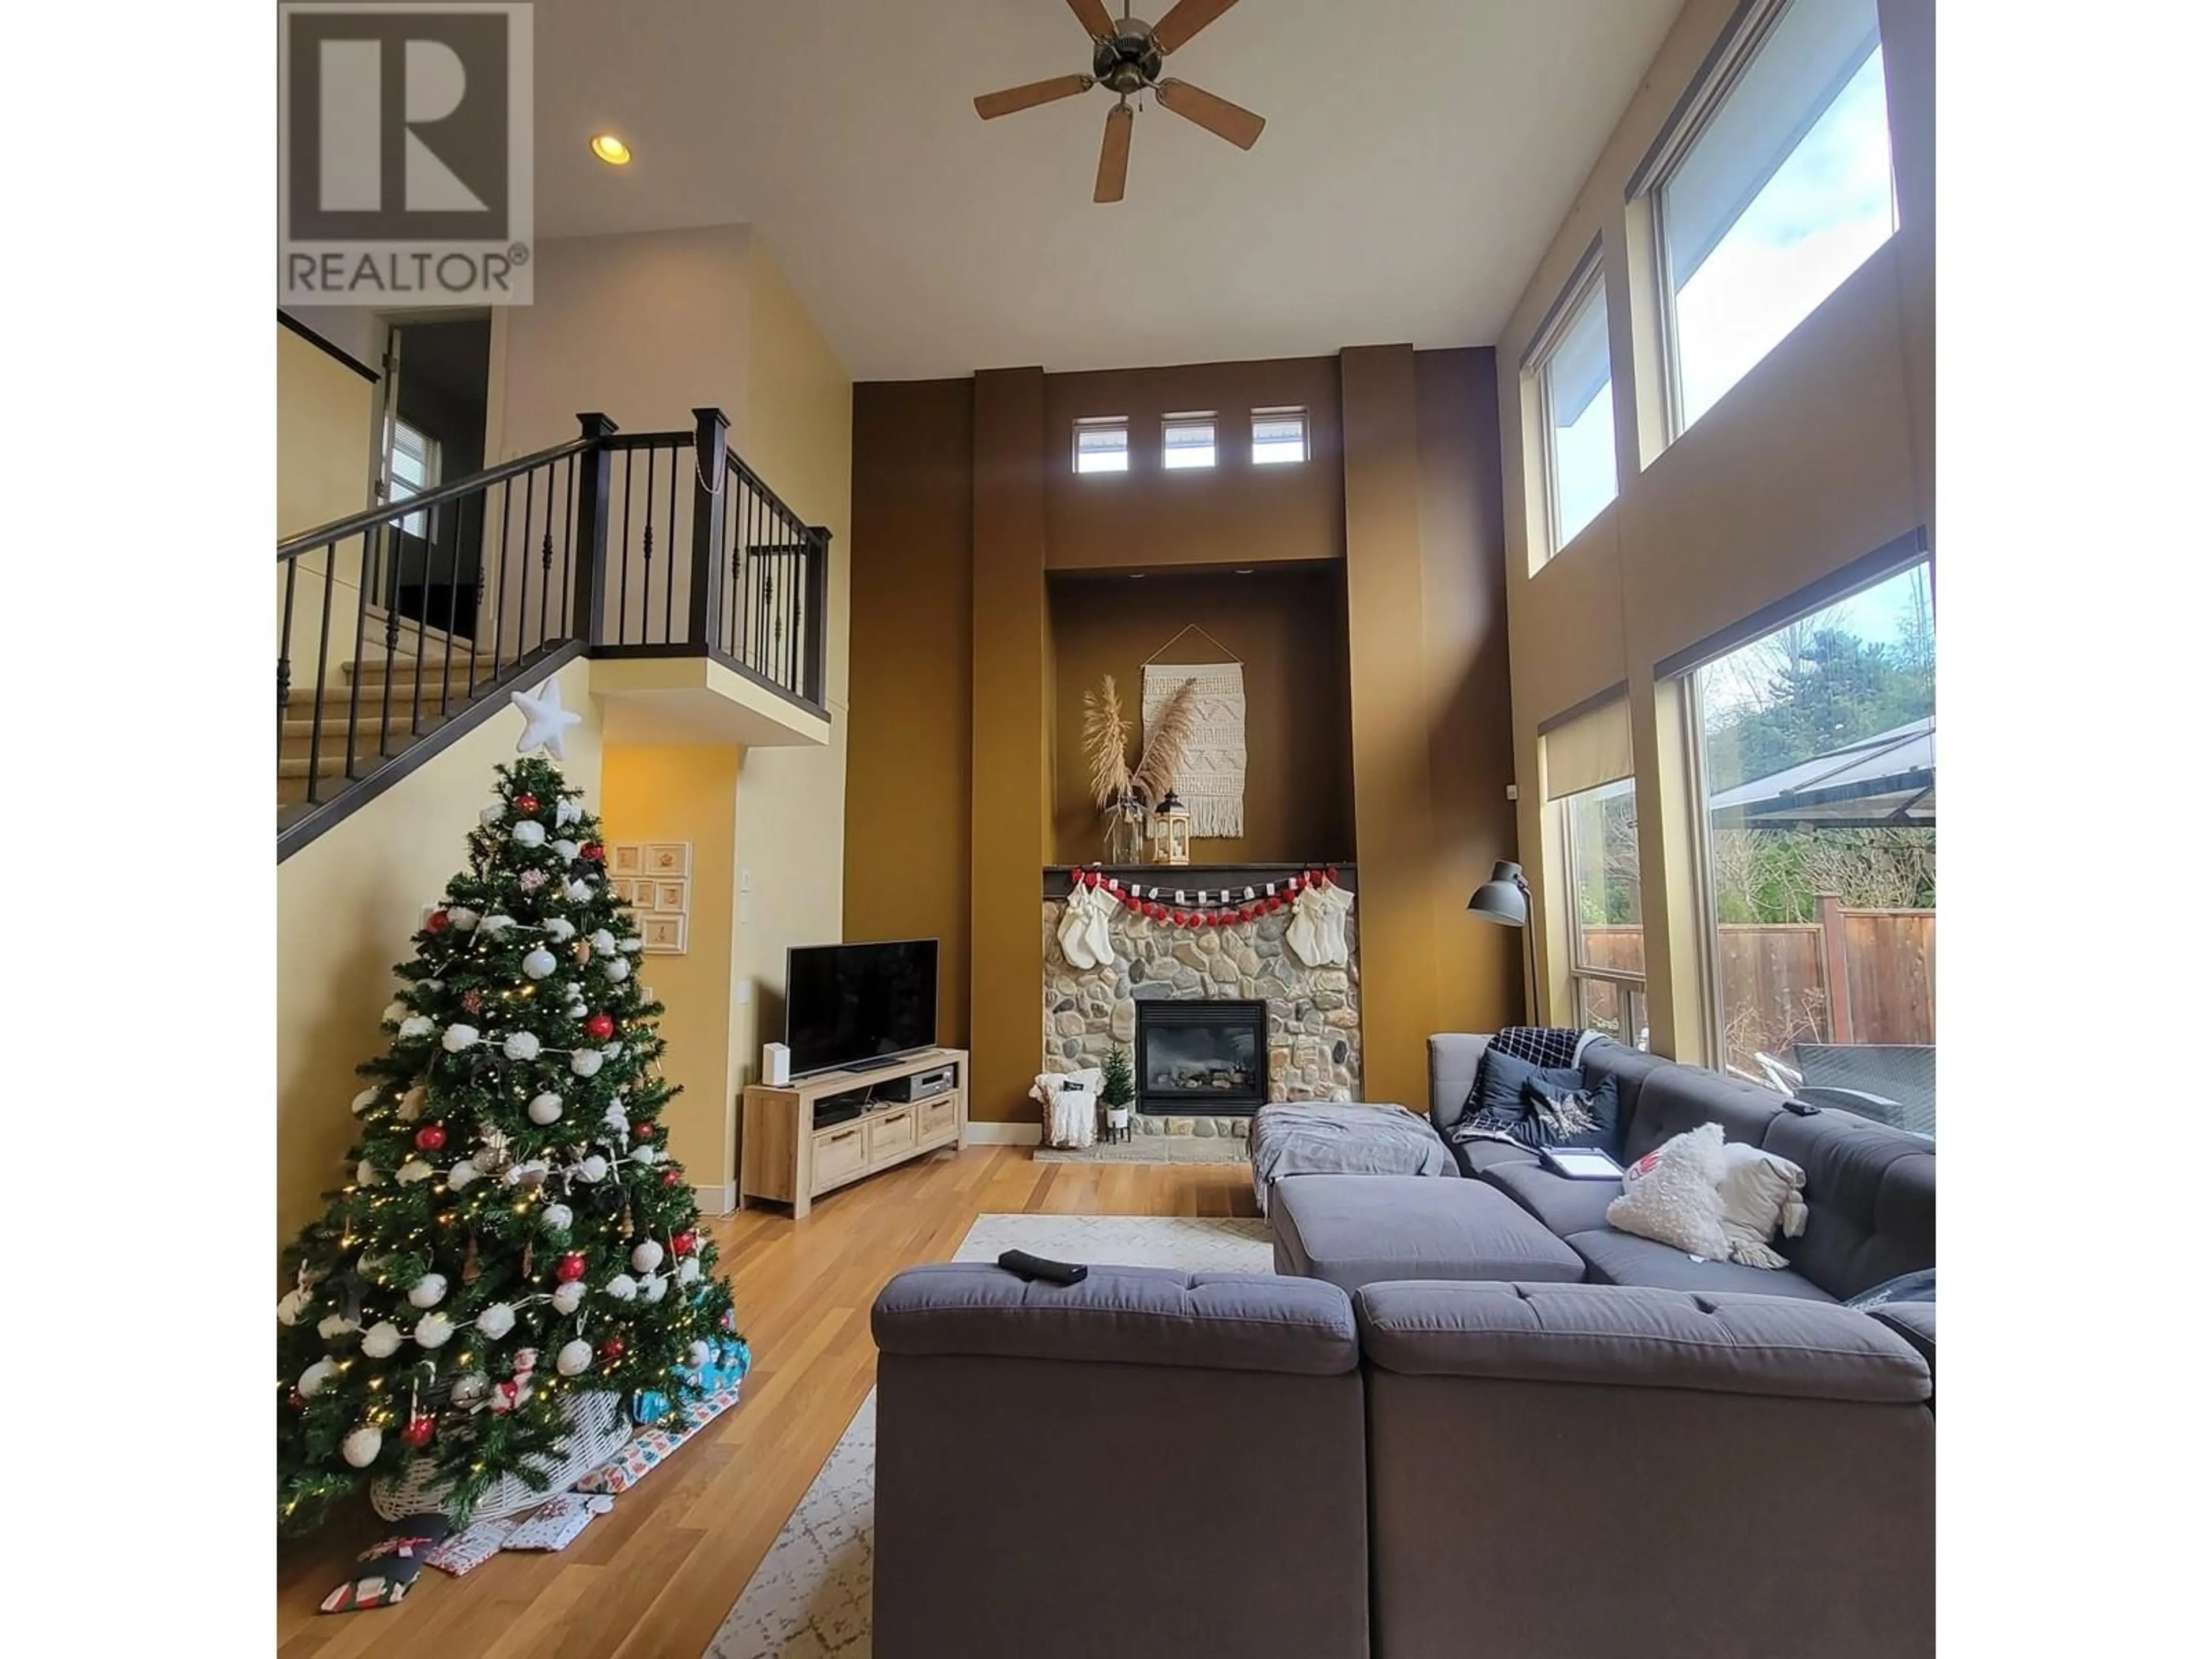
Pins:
x: 1126, y: 58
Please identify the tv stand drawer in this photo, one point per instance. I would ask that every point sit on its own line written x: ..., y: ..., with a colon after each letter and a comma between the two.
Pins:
x: 890, y: 1134
x: 839, y: 1155
x: 940, y: 1118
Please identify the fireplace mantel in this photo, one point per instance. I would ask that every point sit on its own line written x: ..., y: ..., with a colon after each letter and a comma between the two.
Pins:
x: 1059, y: 878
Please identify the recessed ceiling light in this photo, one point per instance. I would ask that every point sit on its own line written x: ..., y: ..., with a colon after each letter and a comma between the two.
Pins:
x: 610, y: 149
x: 1246, y: 571
x: 1136, y: 575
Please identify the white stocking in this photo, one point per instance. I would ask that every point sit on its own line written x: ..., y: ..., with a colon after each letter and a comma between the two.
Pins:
x: 1306, y: 935
x: 1098, y: 935
x: 1074, y: 943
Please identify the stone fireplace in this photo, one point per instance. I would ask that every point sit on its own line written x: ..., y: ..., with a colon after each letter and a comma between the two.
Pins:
x: 1308, y: 1017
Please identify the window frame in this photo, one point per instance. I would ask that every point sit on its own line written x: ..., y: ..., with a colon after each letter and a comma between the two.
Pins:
x: 1190, y: 419
x: 1281, y: 412
x: 1584, y: 287
x: 1100, y: 424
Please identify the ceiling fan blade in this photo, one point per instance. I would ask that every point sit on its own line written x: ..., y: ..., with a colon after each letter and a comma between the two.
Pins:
x: 992, y: 105
x: 1094, y: 17
x: 1114, y: 155
x: 1217, y: 115
x: 1185, y: 20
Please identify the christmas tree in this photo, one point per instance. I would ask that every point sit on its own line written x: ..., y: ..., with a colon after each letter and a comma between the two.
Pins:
x: 514, y: 1232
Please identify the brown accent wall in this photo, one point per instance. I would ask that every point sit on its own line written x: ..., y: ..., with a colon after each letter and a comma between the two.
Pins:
x: 1286, y: 625
x: 907, y: 735
x: 1231, y: 511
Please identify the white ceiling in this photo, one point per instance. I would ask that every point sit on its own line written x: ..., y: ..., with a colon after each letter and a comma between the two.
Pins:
x: 1419, y: 156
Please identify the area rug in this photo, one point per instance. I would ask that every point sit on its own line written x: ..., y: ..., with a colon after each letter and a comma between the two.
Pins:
x: 811, y: 1596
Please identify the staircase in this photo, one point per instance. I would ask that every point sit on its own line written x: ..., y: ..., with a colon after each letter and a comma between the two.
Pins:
x: 610, y: 545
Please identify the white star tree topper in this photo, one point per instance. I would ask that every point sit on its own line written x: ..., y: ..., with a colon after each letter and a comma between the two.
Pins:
x: 545, y: 721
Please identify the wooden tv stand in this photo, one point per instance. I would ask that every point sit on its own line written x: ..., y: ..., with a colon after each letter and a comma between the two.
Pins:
x: 788, y: 1159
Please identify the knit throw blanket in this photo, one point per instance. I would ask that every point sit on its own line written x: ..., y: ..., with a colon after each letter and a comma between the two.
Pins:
x: 1212, y: 780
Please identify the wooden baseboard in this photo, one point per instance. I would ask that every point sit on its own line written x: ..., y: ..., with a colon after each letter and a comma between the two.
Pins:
x: 1004, y: 1134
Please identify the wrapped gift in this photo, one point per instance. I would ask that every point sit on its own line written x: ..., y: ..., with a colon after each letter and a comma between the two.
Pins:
x: 650, y: 1447
x: 554, y: 1525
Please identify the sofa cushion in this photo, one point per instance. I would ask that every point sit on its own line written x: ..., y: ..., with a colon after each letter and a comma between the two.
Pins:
x: 1480, y: 1154
x: 1675, y: 1098
x: 1560, y: 1202
x: 1498, y: 1101
x: 1121, y: 1315
x: 1617, y: 1258
x: 1454, y: 1059
x: 1870, y: 1199
x: 1602, y: 1058
x: 1351, y: 1230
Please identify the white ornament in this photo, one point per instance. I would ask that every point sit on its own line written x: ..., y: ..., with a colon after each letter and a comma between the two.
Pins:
x: 687, y: 1270
x: 560, y: 930
x: 616, y: 1117
x: 431, y: 987
x: 496, y: 1321
x: 394, y: 1012
x: 544, y: 721
x: 648, y: 1255
x: 492, y: 813
x: 530, y: 1172
x: 414, y: 1170
x: 366, y: 1174
x: 331, y: 1327
x: 585, y: 1062
x: 566, y: 810
x: 566, y: 850
x: 416, y: 1025
x: 652, y: 1288
x: 593, y: 1167
x: 615, y: 968
x: 363, y: 1445
x: 429, y: 1291
x: 317, y: 1377
x: 575, y: 1357
x: 567, y: 1297
x: 622, y: 1287
x: 462, y: 919
x: 556, y: 1218
x: 380, y: 1341
x: 528, y: 833
x: 412, y: 1102
x: 493, y: 927
x: 540, y: 964
x: 520, y: 1045
x: 461, y: 1174
x: 545, y: 1108
x: 644, y: 1155
x: 461, y: 1038
x: 603, y: 942
x: 434, y: 1330
x: 579, y: 889
x: 470, y: 1386
x: 292, y: 1307
x: 700, y: 1354
x: 611, y: 1050
x: 632, y: 945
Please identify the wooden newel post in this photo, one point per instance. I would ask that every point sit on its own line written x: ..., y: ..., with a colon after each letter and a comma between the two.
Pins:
x: 710, y: 451
x: 593, y: 495
x: 817, y: 612
x: 1835, y: 964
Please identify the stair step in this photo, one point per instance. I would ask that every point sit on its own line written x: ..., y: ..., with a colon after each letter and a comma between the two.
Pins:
x: 338, y: 699
x: 432, y: 664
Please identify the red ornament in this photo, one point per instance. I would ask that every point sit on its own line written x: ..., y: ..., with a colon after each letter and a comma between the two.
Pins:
x: 670, y: 1177
x: 641, y: 1132
x: 526, y: 804
x: 594, y: 852
x: 1331, y: 873
x: 599, y: 1027
x: 1273, y: 905
x: 612, y: 1349
x: 437, y: 922
x: 683, y: 1242
x: 296, y: 1400
x: 430, y: 1137
x: 571, y: 1267
x: 418, y: 1431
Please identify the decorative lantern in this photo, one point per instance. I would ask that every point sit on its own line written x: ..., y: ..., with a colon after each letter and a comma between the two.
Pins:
x: 1171, y: 831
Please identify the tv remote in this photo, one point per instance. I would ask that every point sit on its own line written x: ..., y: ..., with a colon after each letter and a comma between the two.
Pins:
x: 1025, y: 1266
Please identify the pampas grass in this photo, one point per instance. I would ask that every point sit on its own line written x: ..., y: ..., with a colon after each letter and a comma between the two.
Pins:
x: 1106, y: 735
x: 1165, y: 743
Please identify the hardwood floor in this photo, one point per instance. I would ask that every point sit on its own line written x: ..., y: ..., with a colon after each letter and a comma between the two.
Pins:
x: 654, y: 1579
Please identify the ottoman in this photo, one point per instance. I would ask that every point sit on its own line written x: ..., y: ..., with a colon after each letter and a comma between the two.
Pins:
x: 1352, y: 1229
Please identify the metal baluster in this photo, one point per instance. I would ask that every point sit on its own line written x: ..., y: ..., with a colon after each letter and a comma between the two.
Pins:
x: 284, y: 651
x: 668, y: 570
x: 621, y: 603
x: 422, y: 617
x: 380, y: 529
x: 733, y: 600
x: 645, y: 595
x: 499, y: 608
x: 322, y: 669
x: 569, y: 549
x: 522, y: 605
x: 545, y: 586
x: 452, y: 603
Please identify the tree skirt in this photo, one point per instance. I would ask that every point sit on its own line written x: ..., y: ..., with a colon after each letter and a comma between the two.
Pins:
x: 810, y: 1597
x: 1211, y: 779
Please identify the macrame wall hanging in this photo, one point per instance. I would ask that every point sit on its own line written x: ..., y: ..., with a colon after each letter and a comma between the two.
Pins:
x: 1211, y: 779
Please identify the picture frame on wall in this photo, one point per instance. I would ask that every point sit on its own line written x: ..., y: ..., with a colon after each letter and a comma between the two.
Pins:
x: 663, y: 935
x: 629, y: 858
x: 670, y: 896
x: 668, y: 858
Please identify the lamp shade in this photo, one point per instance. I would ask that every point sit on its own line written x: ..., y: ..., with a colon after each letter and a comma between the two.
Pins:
x: 1504, y: 898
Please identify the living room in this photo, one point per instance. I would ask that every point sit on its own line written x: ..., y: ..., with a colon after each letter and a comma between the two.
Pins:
x: 1050, y: 779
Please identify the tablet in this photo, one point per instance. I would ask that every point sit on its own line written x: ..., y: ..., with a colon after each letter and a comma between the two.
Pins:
x: 1579, y: 1162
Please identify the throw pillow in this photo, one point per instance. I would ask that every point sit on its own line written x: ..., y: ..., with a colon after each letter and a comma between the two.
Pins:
x: 1569, y: 1117
x: 1494, y: 1105
x: 1919, y: 1285
x: 1672, y: 1194
x: 1761, y: 1193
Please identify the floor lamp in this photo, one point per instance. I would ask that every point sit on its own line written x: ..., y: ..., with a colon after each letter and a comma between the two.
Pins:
x: 1504, y: 898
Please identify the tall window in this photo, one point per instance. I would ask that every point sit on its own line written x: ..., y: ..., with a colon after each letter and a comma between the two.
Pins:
x: 1817, y: 763
x: 1785, y: 190
x: 1576, y: 375
x: 1102, y: 444
x: 414, y: 470
x: 1187, y: 441
x: 1589, y: 778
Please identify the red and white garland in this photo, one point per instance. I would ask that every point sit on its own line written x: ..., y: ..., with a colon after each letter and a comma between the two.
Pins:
x: 1177, y: 909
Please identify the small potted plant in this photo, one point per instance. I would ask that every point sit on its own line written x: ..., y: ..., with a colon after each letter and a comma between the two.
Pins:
x: 1118, y: 1092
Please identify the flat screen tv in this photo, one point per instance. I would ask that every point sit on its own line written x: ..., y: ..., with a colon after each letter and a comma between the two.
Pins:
x: 859, y: 1004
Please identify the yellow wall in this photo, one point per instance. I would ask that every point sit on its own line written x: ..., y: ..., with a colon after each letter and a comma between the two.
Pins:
x: 324, y: 412
x: 348, y: 907
x: 1823, y: 453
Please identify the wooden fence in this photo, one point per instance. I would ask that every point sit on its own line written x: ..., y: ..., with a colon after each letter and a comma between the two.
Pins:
x: 1853, y: 976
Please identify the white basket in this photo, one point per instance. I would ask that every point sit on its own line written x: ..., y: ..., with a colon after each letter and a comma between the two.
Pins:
x: 599, y: 1427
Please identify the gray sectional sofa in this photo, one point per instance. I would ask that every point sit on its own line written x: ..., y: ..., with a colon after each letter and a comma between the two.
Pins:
x: 1572, y: 1449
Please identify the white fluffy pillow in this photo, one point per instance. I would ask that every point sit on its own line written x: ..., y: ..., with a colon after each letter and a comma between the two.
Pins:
x: 1760, y: 1193
x: 1673, y: 1194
